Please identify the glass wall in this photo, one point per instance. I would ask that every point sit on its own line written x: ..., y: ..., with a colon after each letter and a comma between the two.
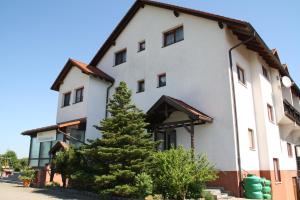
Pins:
x: 39, y: 152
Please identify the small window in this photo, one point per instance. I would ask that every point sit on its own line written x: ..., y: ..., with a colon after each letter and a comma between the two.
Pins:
x: 270, y: 113
x: 289, y: 150
x: 265, y: 72
x: 162, y: 80
x: 251, y: 139
x: 79, y: 95
x: 173, y: 36
x: 241, y: 75
x: 67, y: 98
x: 141, y: 86
x: 276, y: 170
x: 142, y: 46
x: 120, y: 57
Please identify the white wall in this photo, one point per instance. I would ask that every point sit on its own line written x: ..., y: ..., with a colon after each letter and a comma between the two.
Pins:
x: 93, y: 105
x: 196, y: 68
x: 96, y: 98
x: 74, y: 80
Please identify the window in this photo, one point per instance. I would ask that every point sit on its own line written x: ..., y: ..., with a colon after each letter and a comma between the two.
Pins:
x: 79, y: 95
x: 276, y: 170
x: 142, y: 46
x: 39, y: 153
x: 67, y: 97
x: 265, y: 72
x: 173, y: 36
x: 251, y: 139
x: 162, y: 80
x: 120, y: 57
x: 241, y: 75
x: 167, y: 140
x: 141, y: 86
x: 270, y: 113
x: 289, y: 150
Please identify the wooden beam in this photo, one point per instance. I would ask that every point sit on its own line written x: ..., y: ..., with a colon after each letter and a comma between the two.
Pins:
x: 187, y: 128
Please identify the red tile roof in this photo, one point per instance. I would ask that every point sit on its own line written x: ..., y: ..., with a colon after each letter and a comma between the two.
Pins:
x: 87, y: 69
x: 179, y: 106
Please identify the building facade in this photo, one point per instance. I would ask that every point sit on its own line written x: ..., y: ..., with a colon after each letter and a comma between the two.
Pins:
x: 207, y: 82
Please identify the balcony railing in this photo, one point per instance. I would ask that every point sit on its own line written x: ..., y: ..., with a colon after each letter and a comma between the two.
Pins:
x: 291, y: 112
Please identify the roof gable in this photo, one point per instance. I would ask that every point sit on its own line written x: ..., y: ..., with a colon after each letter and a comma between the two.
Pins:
x: 243, y: 30
x: 86, y: 69
x: 140, y: 4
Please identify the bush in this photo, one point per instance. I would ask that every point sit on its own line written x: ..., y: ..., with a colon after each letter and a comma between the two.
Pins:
x: 65, y: 163
x: 207, y: 195
x: 144, y: 184
x: 27, y: 174
x: 176, y: 174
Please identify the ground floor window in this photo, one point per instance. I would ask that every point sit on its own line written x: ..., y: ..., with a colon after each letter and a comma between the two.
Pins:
x: 39, y: 152
x: 167, y: 139
x: 276, y: 170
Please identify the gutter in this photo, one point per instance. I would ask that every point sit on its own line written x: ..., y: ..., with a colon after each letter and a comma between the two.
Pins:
x: 234, y: 104
x: 107, y: 97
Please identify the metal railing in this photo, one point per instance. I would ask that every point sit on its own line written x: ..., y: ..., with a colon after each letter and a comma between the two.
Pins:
x: 291, y: 112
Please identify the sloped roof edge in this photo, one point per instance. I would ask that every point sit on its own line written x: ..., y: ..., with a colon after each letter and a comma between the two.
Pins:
x: 87, y: 69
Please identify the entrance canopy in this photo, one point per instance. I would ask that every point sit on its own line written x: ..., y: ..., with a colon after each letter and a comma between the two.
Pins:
x: 165, y: 106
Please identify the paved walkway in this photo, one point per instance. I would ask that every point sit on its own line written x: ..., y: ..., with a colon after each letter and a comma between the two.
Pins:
x: 9, y: 191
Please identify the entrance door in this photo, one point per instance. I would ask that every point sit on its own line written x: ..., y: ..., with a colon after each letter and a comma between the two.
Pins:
x: 167, y: 138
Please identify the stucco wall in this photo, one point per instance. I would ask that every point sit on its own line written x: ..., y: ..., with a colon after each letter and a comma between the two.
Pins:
x: 196, y: 69
x: 74, y: 80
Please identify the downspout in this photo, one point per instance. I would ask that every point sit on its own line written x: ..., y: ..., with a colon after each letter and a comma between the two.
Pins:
x: 234, y: 104
x: 107, y: 97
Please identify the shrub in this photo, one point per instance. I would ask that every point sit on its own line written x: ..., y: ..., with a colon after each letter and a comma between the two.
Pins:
x: 207, y: 195
x: 177, y: 174
x: 27, y: 174
x: 144, y: 184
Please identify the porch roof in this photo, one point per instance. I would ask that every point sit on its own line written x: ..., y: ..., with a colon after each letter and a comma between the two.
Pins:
x: 162, y: 109
x: 37, y: 130
x: 32, y: 132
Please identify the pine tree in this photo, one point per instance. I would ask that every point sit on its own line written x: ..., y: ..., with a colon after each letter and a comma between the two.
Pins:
x: 125, y: 148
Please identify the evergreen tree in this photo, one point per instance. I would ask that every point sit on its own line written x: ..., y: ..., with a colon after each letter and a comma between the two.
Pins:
x: 125, y: 148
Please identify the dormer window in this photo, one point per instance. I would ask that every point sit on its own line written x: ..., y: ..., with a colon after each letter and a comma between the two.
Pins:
x: 66, y: 99
x: 120, y: 57
x: 78, y: 95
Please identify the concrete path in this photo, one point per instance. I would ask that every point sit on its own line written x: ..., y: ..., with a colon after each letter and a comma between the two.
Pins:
x: 10, y: 191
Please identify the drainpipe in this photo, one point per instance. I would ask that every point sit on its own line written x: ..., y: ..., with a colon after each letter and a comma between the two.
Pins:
x: 234, y: 104
x: 107, y: 97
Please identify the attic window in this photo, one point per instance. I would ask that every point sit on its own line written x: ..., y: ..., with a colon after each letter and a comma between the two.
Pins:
x: 120, y: 57
x: 173, y: 36
x: 142, y: 46
x: 265, y: 72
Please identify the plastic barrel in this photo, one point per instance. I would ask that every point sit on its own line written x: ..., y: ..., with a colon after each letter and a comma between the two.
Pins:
x: 266, y: 190
x: 256, y: 187
x: 251, y: 180
x: 254, y: 195
x: 267, y: 196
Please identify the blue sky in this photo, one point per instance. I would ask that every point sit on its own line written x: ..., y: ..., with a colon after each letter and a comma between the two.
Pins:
x: 37, y: 37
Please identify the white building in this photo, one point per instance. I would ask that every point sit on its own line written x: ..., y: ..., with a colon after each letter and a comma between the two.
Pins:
x: 176, y: 61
